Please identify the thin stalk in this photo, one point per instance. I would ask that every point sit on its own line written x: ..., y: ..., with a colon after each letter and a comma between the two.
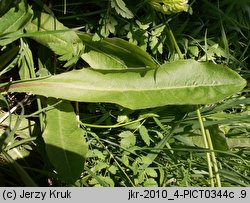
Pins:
x: 182, y: 169
x: 203, y: 132
x: 91, y: 173
x: 39, y: 106
x: 205, y: 46
x: 65, y: 7
x: 43, y: 110
x: 8, y: 113
x: 173, y: 41
x: 214, y: 161
x: 112, y: 156
x: 118, y: 125
x: 77, y: 113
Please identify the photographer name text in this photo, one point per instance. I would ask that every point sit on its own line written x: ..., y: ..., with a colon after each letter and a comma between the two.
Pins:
x: 11, y: 194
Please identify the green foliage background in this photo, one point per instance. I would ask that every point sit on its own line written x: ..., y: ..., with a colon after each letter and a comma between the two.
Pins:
x: 54, y: 142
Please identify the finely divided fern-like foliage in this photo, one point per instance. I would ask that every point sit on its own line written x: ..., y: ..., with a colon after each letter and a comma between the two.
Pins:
x: 121, y: 8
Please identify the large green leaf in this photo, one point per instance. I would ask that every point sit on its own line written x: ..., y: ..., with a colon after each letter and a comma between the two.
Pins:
x: 13, y: 22
x: 180, y: 82
x: 65, y: 144
x: 114, y: 53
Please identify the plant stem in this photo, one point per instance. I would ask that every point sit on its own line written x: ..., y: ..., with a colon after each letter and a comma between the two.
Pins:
x: 214, y: 161
x: 65, y: 7
x: 117, y: 125
x: 77, y: 113
x: 173, y: 41
x: 92, y: 174
x: 203, y: 132
x: 113, y: 157
x: 39, y: 106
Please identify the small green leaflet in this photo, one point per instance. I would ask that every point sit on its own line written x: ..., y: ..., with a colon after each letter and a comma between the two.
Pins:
x: 144, y: 134
x: 121, y: 8
x: 128, y: 139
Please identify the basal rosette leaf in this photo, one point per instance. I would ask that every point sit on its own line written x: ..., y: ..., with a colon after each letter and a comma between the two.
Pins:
x: 64, y: 141
x: 177, y: 83
x: 114, y: 54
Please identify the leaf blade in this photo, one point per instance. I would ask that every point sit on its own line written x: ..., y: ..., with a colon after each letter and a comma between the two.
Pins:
x: 65, y: 144
x: 115, y: 54
x: 181, y: 82
x: 13, y: 22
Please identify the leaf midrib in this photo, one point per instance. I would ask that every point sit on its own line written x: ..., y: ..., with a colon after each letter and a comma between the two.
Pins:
x: 82, y: 87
